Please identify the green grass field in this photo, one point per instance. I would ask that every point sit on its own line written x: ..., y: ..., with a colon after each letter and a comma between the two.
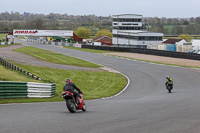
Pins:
x: 55, y: 57
x: 2, y: 35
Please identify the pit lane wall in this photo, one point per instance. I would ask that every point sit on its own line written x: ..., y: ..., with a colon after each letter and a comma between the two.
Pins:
x: 12, y: 89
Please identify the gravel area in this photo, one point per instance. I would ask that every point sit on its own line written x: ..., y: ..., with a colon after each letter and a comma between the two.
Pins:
x: 167, y: 60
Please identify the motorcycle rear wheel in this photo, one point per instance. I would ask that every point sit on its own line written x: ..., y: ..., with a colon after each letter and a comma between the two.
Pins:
x: 71, y: 105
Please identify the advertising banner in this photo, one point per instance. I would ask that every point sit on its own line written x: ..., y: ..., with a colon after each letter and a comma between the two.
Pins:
x: 68, y: 33
x: 78, y: 45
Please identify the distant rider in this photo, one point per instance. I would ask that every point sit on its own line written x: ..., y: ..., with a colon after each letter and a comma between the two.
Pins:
x: 69, y: 86
x: 169, y: 82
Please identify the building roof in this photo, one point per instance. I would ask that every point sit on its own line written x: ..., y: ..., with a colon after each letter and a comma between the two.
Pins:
x: 137, y: 32
x: 100, y: 37
x: 127, y: 14
x: 133, y: 31
x: 172, y: 40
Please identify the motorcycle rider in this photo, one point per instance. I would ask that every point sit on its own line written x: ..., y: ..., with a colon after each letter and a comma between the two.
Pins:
x: 169, y: 82
x: 69, y: 86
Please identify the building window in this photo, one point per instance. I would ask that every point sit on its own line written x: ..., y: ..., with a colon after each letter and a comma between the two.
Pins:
x: 115, y: 19
x: 128, y: 20
x: 115, y: 27
x: 129, y: 28
x: 141, y: 38
x: 150, y: 38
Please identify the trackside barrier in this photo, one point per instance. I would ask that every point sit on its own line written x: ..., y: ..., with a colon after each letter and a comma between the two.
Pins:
x: 12, y: 89
x: 53, y: 43
x: 170, y: 47
x: 147, y: 51
x: 14, y: 67
x: 6, y: 43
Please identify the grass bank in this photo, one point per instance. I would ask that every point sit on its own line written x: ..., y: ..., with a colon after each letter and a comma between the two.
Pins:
x: 7, y: 74
x: 93, y: 84
x: 55, y: 57
x: 1, y: 46
x: 89, y: 50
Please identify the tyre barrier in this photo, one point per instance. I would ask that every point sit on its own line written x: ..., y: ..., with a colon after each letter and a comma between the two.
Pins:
x: 12, y: 89
x: 6, y: 43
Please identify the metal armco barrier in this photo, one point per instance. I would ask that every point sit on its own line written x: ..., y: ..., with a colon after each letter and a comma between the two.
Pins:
x: 12, y: 89
x: 13, y: 67
x: 147, y: 51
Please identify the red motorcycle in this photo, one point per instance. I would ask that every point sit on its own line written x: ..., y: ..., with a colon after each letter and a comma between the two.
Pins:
x: 71, y: 104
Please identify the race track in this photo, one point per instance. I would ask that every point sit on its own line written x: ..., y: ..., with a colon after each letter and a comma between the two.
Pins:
x: 145, y: 106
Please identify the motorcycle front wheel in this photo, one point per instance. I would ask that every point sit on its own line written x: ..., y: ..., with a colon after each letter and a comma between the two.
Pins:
x: 71, y: 105
x: 169, y: 88
x: 84, y: 106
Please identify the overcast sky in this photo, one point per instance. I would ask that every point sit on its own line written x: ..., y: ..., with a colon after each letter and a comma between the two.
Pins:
x: 147, y: 8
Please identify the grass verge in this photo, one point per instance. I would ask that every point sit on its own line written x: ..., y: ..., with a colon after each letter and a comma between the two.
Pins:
x: 89, y: 50
x: 55, y: 57
x: 156, y: 62
x: 7, y: 74
x: 8, y: 45
x: 93, y: 84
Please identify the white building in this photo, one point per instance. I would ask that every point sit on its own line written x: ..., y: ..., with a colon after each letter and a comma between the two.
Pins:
x: 127, y: 30
x: 196, y: 44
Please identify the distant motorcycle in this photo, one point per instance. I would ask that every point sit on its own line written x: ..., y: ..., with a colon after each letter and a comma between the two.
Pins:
x: 71, y: 104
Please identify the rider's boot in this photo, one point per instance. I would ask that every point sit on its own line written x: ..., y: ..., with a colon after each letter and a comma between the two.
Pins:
x: 77, y: 101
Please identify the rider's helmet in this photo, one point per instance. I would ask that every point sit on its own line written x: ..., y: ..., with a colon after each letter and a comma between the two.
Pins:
x: 68, y: 80
x: 167, y: 77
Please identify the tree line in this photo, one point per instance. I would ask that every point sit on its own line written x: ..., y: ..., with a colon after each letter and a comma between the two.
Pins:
x: 54, y: 21
x: 10, y: 21
x: 173, y: 26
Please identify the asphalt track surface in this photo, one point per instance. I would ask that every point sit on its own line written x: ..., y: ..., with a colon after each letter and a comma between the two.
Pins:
x: 144, y: 107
